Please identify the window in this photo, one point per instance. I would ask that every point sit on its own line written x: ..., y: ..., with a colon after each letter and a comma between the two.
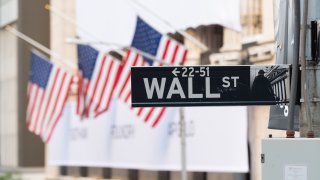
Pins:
x: 251, y: 17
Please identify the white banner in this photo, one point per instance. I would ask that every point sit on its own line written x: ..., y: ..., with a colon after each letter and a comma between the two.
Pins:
x: 216, y: 140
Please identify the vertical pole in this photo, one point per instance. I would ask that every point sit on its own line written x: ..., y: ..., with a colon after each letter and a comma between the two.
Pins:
x: 295, y: 61
x: 184, y: 175
x: 304, y: 81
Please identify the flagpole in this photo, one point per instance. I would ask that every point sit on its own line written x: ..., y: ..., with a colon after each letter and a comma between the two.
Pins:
x: 97, y: 41
x: 181, y: 32
x: 183, y: 144
x: 85, y: 42
x: 40, y: 46
x: 74, y: 23
x: 147, y: 55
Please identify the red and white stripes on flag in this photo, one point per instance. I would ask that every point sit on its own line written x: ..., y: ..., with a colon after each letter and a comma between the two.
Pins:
x: 47, y: 94
x: 150, y: 116
x: 106, y: 85
x: 171, y: 52
x: 95, y: 92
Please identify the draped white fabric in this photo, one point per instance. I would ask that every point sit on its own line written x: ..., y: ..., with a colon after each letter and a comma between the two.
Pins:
x: 114, y: 20
x: 216, y: 140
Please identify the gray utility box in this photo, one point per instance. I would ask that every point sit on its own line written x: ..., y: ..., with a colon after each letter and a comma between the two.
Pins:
x: 290, y: 159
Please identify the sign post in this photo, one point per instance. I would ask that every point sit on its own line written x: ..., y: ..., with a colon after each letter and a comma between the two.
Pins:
x: 183, y: 142
x: 210, y: 85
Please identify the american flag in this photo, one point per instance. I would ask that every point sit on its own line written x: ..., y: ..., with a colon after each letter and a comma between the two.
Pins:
x: 99, y: 72
x: 149, y: 40
x: 152, y: 115
x: 47, y: 94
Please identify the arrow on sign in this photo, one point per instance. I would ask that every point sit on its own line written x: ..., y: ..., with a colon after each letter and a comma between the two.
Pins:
x: 175, y: 72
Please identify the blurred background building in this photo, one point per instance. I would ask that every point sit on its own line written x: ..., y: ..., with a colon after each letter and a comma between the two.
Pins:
x: 24, y: 153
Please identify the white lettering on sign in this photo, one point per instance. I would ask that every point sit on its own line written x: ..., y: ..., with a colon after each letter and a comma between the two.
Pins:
x: 226, y: 81
x: 190, y: 90
x: 154, y: 86
x: 191, y: 72
x: 175, y: 72
x: 208, y: 93
x: 173, y: 90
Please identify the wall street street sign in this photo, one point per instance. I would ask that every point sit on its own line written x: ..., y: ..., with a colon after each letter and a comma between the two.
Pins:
x: 209, y: 85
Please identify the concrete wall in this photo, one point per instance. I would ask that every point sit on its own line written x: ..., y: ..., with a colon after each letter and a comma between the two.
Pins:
x: 8, y: 100
x: 34, y: 22
x: 18, y: 147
